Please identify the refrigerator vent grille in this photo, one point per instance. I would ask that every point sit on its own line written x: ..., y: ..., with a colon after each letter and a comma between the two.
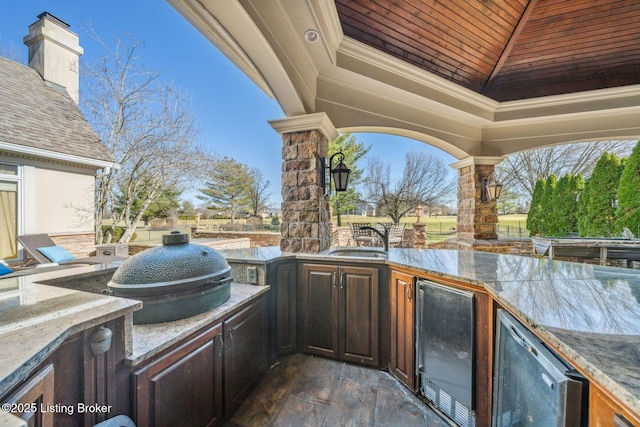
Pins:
x: 461, y: 416
x: 449, y: 406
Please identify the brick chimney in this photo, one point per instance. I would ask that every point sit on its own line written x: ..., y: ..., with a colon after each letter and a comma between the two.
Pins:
x: 54, y: 52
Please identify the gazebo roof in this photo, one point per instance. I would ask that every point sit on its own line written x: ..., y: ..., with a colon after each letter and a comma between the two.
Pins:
x: 474, y: 78
x: 506, y: 49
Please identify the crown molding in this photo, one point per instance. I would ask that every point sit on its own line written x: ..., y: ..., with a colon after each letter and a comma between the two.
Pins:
x: 307, y: 122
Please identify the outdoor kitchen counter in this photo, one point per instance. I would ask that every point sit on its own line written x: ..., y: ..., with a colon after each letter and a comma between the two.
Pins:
x: 590, y: 314
x: 149, y: 340
x: 35, y: 319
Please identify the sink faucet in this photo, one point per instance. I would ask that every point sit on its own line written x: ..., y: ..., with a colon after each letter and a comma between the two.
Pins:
x: 384, y: 236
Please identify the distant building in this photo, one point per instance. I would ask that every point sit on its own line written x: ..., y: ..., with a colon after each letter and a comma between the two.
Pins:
x: 49, y: 154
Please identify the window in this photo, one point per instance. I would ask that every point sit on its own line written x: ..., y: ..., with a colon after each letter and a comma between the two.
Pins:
x: 9, y: 214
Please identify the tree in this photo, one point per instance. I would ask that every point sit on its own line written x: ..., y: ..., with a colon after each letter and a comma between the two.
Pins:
x: 535, y: 210
x: 519, y: 172
x: 228, y: 186
x: 187, y: 208
x: 563, y: 218
x: 353, y: 151
x: 507, y: 203
x: 597, y: 204
x: 258, y: 191
x: 163, y: 206
x: 628, y: 211
x: 148, y: 128
x: 546, y: 205
x: 425, y: 180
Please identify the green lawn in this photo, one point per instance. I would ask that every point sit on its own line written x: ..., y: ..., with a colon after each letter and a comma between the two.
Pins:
x: 444, y: 227
x: 437, y: 228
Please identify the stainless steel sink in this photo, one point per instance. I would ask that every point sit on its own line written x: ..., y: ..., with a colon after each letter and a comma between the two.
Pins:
x: 358, y: 252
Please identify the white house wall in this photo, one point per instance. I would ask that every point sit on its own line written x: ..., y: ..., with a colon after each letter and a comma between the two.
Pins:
x: 64, y: 201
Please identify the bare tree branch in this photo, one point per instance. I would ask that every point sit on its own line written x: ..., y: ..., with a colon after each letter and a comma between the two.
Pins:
x: 425, y: 180
x: 147, y: 126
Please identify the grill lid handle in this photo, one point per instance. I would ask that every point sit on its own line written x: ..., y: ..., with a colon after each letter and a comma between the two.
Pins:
x: 175, y: 238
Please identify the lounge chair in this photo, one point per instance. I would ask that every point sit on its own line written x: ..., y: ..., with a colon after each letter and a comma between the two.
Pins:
x: 44, y: 250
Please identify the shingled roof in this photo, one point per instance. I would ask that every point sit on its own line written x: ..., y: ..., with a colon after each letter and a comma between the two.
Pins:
x: 34, y: 115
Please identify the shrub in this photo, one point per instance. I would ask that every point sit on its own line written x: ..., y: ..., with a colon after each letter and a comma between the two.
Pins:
x: 535, y: 210
x: 563, y: 214
x: 628, y: 210
x: 546, y: 206
x: 597, y: 205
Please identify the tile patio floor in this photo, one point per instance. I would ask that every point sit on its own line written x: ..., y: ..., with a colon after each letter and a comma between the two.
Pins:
x: 310, y: 391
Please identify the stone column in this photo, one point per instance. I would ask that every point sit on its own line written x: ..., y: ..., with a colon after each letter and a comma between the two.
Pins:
x: 306, y: 218
x: 419, y: 235
x: 476, y: 220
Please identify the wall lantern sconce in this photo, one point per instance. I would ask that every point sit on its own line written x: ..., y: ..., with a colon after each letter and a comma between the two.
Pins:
x: 491, y: 189
x: 340, y: 174
x: 418, y: 210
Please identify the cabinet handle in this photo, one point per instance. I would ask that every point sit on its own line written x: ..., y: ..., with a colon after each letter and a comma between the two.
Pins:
x: 341, y: 280
x: 221, y: 343
x: 333, y: 278
x: 409, y: 293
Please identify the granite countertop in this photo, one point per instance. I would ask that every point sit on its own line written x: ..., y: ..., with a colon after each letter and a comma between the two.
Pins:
x: 254, y: 255
x: 35, y: 319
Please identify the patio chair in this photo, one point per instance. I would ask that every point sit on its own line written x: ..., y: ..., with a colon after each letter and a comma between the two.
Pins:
x: 44, y: 250
x: 396, y: 234
x: 360, y: 236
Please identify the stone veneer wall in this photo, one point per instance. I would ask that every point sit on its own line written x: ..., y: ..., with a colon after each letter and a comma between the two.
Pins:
x: 305, y: 210
x: 476, y: 220
x: 79, y: 244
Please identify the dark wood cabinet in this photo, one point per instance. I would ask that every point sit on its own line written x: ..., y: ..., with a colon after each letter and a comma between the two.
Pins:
x: 29, y: 400
x: 340, y: 312
x: 245, y: 351
x: 207, y: 376
x: 183, y: 387
x: 81, y: 378
x: 402, y: 362
x: 286, y: 308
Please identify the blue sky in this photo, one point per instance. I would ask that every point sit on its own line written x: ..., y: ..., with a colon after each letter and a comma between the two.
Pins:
x: 222, y: 97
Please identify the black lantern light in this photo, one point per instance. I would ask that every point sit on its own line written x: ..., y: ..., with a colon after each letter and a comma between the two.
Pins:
x: 340, y: 174
x: 491, y: 189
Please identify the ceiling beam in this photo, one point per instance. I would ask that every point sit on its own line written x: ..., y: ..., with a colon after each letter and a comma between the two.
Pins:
x: 512, y: 40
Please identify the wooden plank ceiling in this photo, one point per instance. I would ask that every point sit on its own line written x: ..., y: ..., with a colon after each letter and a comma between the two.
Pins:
x: 506, y: 49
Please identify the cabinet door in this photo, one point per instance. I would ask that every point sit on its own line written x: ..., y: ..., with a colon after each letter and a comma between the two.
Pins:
x: 183, y: 387
x: 358, y: 326
x: 245, y: 342
x: 402, y: 363
x: 286, y: 298
x: 35, y: 395
x: 319, y: 304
